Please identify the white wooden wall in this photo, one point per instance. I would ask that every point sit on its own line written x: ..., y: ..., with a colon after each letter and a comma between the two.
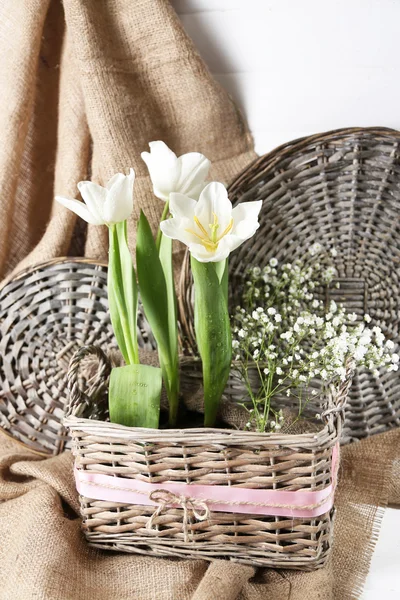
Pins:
x: 298, y: 67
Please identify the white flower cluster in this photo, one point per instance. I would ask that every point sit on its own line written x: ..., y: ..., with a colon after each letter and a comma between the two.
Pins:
x: 285, y: 329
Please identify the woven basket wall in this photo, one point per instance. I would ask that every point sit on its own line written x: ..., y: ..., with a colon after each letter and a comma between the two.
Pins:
x: 342, y: 189
x: 46, y: 313
x: 203, y: 457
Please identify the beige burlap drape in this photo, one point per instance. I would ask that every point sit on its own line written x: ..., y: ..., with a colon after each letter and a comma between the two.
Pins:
x: 85, y: 86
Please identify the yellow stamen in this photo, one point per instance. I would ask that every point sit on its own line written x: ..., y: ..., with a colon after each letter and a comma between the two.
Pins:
x: 210, y: 240
x: 196, y: 234
x: 227, y: 230
x: 200, y: 226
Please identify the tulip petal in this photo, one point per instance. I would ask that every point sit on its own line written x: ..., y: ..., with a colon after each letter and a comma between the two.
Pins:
x: 163, y: 168
x: 161, y: 151
x: 203, y: 255
x: 194, y: 169
x: 214, y: 201
x: 177, y: 229
x: 245, y: 219
x: 119, y: 202
x: 94, y: 196
x: 80, y: 209
x: 114, y: 179
x: 182, y: 206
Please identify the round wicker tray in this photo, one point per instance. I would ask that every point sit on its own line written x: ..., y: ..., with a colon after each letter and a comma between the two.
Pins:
x: 46, y: 313
x: 342, y: 189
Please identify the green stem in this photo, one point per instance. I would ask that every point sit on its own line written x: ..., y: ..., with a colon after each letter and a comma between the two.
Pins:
x: 169, y: 361
x: 171, y: 382
x: 118, y: 312
x: 213, y: 334
x: 163, y: 217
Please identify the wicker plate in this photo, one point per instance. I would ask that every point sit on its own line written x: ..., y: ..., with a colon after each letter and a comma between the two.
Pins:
x: 340, y: 188
x: 46, y: 313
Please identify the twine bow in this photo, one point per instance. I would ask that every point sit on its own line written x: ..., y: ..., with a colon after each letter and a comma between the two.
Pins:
x: 198, y: 508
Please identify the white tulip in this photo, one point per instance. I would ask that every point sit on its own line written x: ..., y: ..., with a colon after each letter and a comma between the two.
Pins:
x: 211, y: 227
x: 104, y: 205
x: 185, y: 174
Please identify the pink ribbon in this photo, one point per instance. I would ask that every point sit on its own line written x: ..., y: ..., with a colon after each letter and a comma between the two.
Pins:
x: 219, y: 498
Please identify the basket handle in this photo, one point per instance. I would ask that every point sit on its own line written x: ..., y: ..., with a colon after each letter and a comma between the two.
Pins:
x: 78, y: 399
x: 337, y: 396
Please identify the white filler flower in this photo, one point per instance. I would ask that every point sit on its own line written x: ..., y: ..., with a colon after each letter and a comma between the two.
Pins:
x: 185, y: 174
x: 104, y: 205
x: 211, y: 228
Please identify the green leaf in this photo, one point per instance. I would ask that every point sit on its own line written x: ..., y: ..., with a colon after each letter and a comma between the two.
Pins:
x: 134, y: 396
x: 122, y: 295
x: 153, y: 289
x: 213, y: 334
x: 157, y: 292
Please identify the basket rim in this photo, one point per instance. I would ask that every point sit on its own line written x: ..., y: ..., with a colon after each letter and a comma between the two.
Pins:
x: 293, y: 145
x: 196, y: 435
x: 16, y: 276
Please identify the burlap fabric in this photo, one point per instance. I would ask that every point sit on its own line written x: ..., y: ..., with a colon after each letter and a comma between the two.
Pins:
x: 85, y: 86
x: 43, y: 554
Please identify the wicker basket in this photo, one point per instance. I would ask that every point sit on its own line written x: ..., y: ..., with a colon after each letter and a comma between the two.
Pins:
x: 46, y: 313
x: 110, y: 459
x: 340, y: 188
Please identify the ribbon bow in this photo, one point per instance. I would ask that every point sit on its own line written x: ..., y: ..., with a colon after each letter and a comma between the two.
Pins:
x: 198, y: 508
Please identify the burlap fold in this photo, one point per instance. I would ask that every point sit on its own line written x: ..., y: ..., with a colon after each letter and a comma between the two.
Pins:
x: 85, y: 86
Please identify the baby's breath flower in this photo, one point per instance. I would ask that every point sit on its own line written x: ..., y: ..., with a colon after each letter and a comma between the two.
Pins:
x: 283, y: 323
x: 315, y: 249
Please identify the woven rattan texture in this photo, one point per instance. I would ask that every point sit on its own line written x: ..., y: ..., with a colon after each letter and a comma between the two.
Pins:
x: 205, y: 457
x: 342, y: 189
x: 46, y: 313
